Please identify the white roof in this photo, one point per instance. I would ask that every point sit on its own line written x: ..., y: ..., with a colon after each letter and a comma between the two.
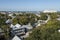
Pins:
x: 17, y: 25
x: 27, y: 26
x: 11, y: 26
x: 8, y: 21
x: 16, y: 38
x: 38, y: 15
x: 38, y: 25
x: 14, y: 27
x: 10, y: 14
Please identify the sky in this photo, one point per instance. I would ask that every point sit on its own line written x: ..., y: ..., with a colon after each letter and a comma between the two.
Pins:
x: 29, y: 5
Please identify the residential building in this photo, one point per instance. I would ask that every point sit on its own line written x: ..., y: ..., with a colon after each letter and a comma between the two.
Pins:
x: 2, y: 33
x: 9, y: 21
x: 16, y: 38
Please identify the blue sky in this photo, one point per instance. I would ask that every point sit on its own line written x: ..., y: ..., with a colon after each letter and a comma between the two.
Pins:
x: 29, y: 5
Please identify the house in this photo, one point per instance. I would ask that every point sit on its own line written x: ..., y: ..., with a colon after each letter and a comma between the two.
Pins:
x: 17, y: 29
x: 8, y: 21
x: 58, y: 18
x: 49, y: 11
x: 12, y: 26
x: 28, y: 26
x: 16, y: 38
x: 10, y: 14
x: 2, y: 33
x: 20, y: 30
x: 43, y: 21
x: 17, y: 26
x: 38, y: 15
x: 38, y: 24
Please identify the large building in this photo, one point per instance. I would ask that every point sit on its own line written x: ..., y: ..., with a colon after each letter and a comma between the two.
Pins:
x: 49, y: 11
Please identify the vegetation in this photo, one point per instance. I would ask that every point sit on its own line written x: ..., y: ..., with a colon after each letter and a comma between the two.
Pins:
x: 43, y: 17
x: 53, y: 15
x: 48, y: 31
x: 24, y: 19
x: 6, y: 30
x: 4, y: 26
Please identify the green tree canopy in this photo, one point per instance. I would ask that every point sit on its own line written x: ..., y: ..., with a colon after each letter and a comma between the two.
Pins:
x: 48, y: 31
x: 43, y: 17
x: 53, y: 15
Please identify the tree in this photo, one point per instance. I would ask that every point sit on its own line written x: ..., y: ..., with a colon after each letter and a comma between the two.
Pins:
x: 15, y: 21
x: 48, y: 31
x: 6, y: 30
x: 43, y: 17
x: 53, y: 15
x: 24, y: 19
x: 14, y: 14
